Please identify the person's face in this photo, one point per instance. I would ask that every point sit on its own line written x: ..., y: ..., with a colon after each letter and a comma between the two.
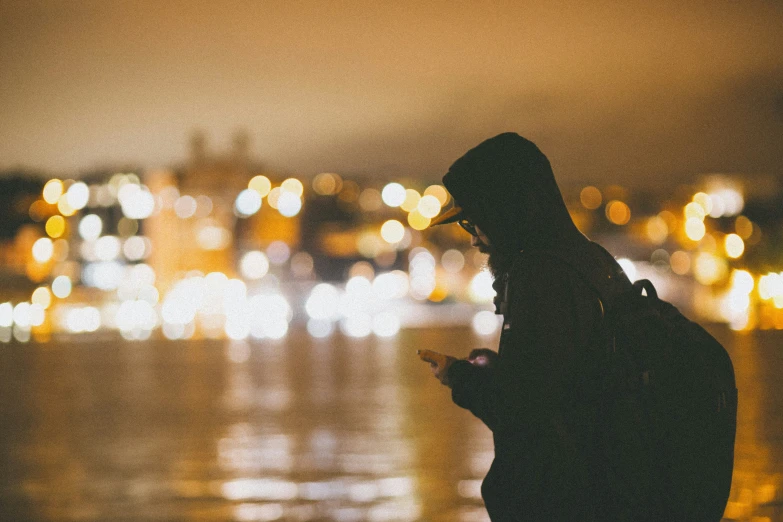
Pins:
x: 477, y: 237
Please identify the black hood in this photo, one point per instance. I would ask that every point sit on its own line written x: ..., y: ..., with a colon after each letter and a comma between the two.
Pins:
x: 506, y: 186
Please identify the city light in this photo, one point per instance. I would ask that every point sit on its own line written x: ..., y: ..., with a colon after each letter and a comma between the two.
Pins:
x: 136, y: 201
x: 185, y: 206
x: 411, y: 201
x: 254, y: 265
x: 52, y: 191
x: 43, y: 249
x: 78, y: 195
x: 61, y: 286
x: 260, y: 184
x: 428, y: 206
x: 55, y: 226
x: 734, y: 246
x: 392, y: 231
x: 485, y: 323
x: 90, y: 227
x: 393, y: 194
x: 289, y: 204
x: 248, y: 202
x: 590, y: 197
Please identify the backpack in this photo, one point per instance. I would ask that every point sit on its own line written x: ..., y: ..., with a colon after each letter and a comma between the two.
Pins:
x: 668, y: 406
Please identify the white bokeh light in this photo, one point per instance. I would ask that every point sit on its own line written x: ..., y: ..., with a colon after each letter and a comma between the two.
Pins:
x: 254, y: 265
x: 78, y: 195
x: 289, y: 204
x: 43, y: 249
x: 90, y: 227
x: 61, y: 286
x: 393, y: 194
x: 248, y: 202
x: 485, y: 323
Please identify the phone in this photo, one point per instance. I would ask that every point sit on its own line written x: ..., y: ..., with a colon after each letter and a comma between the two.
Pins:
x: 432, y: 357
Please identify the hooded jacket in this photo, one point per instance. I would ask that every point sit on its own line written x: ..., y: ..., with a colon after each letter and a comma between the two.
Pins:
x: 540, y: 399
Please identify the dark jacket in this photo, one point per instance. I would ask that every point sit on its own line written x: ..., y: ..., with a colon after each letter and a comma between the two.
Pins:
x: 541, y: 398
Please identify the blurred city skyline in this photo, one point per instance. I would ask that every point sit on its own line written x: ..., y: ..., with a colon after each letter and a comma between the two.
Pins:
x: 612, y: 92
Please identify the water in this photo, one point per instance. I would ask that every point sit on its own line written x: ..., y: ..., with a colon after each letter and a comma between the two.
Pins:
x: 300, y: 429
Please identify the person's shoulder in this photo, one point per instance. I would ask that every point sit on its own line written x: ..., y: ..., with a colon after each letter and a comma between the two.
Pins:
x: 555, y: 268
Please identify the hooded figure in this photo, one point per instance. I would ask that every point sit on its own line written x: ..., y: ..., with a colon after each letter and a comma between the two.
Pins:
x: 539, y: 397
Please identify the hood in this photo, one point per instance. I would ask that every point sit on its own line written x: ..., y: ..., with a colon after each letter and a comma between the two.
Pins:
x: 506, y: 186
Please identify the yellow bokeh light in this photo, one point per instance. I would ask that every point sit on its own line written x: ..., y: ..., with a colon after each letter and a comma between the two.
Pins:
x: 55, y: 226
x: 42, y: 296
x: 742, y: 281
x: 694, y: 228
x: 704, y: 201
x: 392, y: 231
x: 417, y: 221
x: 618, y: 212
x: 52, y: 191
x: 440, y: 193
x: 260, y: 184
x: 694, y: 210
x: 64, y: 207
x: 327, y: 184
x: 657, y: 229
x: 709, y: 269
x: 590, y: 198
x: 734, y: 246
x: 274, y: 197
x: 428, y: 206
x: 744, y: 227
x: 412, y: 199
x: 293, y: 186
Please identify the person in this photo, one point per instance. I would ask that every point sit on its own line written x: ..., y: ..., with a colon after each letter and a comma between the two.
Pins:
x: 539, y: 393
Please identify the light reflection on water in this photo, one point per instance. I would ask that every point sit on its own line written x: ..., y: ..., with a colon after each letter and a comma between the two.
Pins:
x: 298, y: 429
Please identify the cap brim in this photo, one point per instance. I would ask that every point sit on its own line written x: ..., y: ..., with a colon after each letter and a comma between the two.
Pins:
x: 450, y: 216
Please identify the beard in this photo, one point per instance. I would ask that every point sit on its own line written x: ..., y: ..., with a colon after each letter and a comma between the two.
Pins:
x: 498, y: 262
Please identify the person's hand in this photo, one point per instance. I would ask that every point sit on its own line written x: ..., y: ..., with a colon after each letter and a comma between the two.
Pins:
x: 439, y: 364
x: 483, y: 357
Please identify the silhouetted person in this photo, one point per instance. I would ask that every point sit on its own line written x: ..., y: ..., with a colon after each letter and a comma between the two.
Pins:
x: 538, y: 394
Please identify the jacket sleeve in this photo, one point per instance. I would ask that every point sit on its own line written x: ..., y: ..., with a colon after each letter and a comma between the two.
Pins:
x: 552, y: 317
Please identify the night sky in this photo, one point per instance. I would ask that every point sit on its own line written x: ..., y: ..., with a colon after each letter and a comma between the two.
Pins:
x: 635, y: 92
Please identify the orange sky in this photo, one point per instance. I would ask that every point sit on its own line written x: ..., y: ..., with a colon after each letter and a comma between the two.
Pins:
x: 628, y: 91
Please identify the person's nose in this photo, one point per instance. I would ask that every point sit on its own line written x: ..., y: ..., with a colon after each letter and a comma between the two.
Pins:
x: 474, y: 241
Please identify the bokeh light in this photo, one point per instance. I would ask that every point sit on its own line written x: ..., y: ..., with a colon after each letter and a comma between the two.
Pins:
x: 694, y: 228
x: 61, y: 286
x: 55, y: 226
x: 52, y: 191
x: 78, y: 195
x: 90, y: 227
x: 260, y: 184
x: 618, y: 212
x: 393, y: 194
x: 417, y: 221
x: 289, y: 204
x: 42, y: 297
x: 327, y: 184
x: 254, y: 265
x: 185, y: 206
x: 248, y: 202
x: 428, y: 206
x: 440, y: 193
x: 590, y: 197
x: 392, y: 231
x: 43, y: 248
x: 294, y: 186
x: 734, y: 246
x: 411, y: 200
